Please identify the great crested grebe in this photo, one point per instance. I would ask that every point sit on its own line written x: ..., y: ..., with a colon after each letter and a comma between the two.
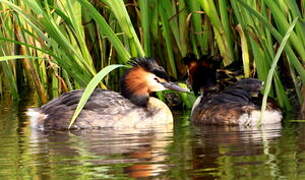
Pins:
x: 197, y: 69
x: 133, y: 108
x: 234, y: 105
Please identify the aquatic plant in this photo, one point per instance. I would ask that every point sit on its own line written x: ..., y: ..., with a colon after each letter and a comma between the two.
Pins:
x: 59, y: 45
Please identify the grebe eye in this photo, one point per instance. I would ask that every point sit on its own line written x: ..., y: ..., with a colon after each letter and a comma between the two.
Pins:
x: 157, y: 80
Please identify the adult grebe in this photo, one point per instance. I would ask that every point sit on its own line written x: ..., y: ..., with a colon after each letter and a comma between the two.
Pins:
x: 133, y: 108
x: 233, y: 105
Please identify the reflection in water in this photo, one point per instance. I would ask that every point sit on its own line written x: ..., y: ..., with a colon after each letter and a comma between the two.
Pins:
x: 235, y: 134
x: 140, y: 154
x: 185, y: 152
x: 234, y: 152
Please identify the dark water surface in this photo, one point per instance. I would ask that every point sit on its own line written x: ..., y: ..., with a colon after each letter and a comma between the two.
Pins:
x: 184, y: 152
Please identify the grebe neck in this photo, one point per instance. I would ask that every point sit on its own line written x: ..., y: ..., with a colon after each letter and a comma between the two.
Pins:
x: 145, y: 77
x: 134, y: 88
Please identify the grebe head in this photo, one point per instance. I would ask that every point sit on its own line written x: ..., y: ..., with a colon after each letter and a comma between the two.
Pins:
x: 144, y: 77
x: 251, y: 85
x: 202, y: 73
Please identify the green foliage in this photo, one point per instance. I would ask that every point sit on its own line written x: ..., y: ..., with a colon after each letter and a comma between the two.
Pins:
x: 90, y: 88
x: 74, y: 39
x: 273, y: 66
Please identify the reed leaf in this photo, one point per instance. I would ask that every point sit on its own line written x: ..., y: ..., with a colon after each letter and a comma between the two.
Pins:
x: 121, y: 14
x: 145, y: 22
x: 200, y: 37
x: 167, y: 37
x: 182, y: 24
x: 5, y: 58
x: 8, y: 72
x: 245, y: 52
x: 90, y: 88
x: 282, y: 23
x: 224, y: 17
x: 222, y: 36
x: 49, y: 52
x: 296, y: 64
x: 273, y: 67
x: 106, y: 30
x: 78, y: 37
x: 169, y: 15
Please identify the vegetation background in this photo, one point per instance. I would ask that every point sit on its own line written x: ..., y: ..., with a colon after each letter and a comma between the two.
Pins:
x: 54, y: 46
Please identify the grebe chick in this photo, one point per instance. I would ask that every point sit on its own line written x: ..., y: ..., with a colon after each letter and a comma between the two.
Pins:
x: 133, y: 108
x: 205, y: 75
x: 205, y: 67
x: 234, y: 106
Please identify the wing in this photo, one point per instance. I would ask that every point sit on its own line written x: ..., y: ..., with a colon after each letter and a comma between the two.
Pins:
x: 102, y: 106
x: 222, y: 114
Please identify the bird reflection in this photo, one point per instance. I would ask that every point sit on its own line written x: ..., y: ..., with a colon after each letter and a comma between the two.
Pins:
x: 222, y: 150
x: 134, y: 154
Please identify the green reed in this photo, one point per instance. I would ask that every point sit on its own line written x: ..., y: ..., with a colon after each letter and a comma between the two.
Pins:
x: 274, y: 65
x: 60, y: 45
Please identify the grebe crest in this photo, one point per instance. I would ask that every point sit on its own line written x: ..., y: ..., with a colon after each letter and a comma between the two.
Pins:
x: 133, y: 108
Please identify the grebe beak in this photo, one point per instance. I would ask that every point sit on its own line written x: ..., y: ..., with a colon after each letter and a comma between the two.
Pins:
x: 173, y: 86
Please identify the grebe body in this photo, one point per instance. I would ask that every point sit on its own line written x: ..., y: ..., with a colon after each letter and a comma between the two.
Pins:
x: 234, y: 106
x: 133, y: 108
x: 223, y: 101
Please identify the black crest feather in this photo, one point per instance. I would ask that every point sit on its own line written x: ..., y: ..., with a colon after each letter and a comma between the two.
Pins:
x: 150, y: 65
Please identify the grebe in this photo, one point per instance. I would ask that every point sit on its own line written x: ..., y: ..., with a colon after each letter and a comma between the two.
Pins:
x: 205, y: 67
x: 234, y: 105
x: 209, y: 68
x: 133, y: 108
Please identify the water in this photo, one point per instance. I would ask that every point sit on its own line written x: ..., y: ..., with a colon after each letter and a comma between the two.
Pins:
x: 184, y: 152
